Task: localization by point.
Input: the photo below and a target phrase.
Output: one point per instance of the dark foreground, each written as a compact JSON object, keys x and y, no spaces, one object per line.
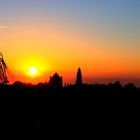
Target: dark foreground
{"x":19,"y":89}
{"x":28,"y":106}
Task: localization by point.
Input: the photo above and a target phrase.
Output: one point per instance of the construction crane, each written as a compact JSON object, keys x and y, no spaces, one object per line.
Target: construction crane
{"x":3,"y":71}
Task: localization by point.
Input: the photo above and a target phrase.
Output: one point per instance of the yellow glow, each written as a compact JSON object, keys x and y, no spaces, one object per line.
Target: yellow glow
{"x":50,"y":49}
{"x":33,"y":71}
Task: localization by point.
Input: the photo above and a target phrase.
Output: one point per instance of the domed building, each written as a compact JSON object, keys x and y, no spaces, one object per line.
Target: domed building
{"x":55,"y":81}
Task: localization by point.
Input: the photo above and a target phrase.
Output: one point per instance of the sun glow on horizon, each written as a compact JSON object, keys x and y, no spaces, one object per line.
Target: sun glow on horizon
{"x":33,"y":71}
{"x":51,"y":37}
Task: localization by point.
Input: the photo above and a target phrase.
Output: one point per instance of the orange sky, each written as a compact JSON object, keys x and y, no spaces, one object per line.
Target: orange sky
{"x":103,"y":48}
{"x":51,"y":49}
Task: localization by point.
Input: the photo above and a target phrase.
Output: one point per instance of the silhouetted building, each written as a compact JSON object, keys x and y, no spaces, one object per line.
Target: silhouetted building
{"x":79,"y":78}
{"x":55,"y":81}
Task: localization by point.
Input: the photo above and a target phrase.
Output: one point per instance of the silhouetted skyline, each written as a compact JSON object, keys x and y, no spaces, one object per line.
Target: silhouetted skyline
{"x":55,"y":80}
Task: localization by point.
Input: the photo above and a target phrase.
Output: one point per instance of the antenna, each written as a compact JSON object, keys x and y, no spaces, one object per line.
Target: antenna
{"x":3,"y":70}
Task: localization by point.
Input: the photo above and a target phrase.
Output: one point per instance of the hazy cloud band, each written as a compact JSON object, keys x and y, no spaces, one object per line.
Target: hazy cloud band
{"x":3,"y":27}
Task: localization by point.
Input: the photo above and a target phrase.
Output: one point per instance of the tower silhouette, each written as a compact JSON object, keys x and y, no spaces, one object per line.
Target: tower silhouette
{"x":79,"y":78}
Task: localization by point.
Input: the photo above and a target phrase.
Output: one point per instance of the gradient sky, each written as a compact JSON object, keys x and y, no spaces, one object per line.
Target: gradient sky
{"x":100,"y":36}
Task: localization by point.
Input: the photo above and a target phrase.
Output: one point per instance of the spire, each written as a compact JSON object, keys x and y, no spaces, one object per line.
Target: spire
{"x":79,"y":78}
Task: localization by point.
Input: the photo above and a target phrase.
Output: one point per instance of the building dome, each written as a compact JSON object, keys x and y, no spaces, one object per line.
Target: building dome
{"x":55,"y":81}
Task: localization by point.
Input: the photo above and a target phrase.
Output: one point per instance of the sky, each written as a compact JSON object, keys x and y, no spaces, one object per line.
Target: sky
{"x":102,"y":37}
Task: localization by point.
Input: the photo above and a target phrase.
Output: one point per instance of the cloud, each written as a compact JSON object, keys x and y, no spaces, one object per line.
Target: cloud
{"x":3,"y":27}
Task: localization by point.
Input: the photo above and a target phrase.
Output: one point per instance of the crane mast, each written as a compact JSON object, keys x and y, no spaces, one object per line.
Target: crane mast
{"x":3,"y":70}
